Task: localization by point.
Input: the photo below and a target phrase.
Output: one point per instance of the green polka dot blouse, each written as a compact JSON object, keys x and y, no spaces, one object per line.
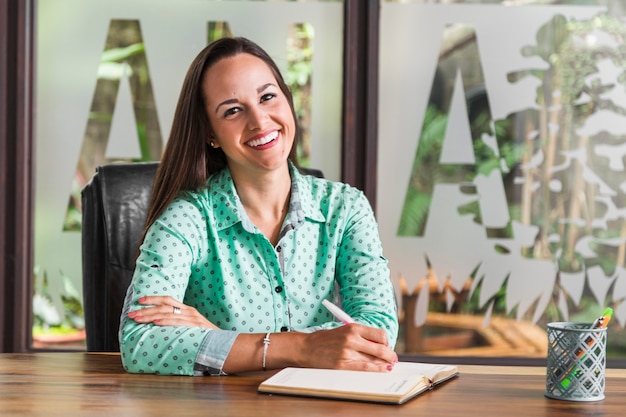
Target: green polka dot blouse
{"x":205,"y":251}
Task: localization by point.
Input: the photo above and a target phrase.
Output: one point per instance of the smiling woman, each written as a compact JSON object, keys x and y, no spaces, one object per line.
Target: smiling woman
{"x":241,"y":248}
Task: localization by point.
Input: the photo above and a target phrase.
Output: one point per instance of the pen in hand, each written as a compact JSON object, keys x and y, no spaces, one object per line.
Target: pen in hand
{"x":339,"y":314}
{"x":345,"y":318}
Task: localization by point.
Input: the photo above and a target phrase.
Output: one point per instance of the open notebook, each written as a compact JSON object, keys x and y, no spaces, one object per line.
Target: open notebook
{"x":406,"y":381}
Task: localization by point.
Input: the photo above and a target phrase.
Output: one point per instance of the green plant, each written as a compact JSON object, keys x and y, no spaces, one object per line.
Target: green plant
{"x":56,"y":308}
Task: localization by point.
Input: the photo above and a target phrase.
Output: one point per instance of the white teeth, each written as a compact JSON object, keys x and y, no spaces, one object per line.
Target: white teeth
{"x":264,"y":140}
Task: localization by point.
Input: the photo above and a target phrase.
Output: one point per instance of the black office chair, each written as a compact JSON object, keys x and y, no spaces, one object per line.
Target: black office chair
{"x":115,"y":204}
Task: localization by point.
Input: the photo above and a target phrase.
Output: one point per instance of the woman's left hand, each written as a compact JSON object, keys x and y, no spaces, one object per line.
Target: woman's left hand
{"x":166,"y":311}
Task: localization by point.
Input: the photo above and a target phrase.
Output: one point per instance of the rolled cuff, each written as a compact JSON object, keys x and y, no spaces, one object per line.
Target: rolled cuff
{"x":213,"y":352}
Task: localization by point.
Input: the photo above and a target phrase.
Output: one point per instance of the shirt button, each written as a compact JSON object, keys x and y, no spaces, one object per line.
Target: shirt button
{"x":278,"y":289}
{"x":278,"y":248}
{"x":284,"y":329}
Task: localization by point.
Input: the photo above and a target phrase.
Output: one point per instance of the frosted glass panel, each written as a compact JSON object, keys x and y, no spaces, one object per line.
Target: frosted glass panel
{"x":78,"y":64}
{"x":502,"y":128}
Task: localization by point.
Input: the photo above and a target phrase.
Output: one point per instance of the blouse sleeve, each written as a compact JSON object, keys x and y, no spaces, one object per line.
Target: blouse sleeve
{"x":362,"y":273}
{"x":171,"y":246}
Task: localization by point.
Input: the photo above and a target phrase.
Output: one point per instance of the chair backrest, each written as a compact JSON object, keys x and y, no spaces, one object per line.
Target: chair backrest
{"x":115,"y":204}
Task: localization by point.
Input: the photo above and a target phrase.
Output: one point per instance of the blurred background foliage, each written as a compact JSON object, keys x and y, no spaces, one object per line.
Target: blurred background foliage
{"x":547,"y":183}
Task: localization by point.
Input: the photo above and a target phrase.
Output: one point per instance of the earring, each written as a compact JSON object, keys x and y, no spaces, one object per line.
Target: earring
{"x":212,"y":144}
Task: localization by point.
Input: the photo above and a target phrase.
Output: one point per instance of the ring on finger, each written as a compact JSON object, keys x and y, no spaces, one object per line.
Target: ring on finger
{"x":176,"y":310}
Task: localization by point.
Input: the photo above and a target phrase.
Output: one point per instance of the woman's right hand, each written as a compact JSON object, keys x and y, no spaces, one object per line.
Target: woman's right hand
{"x":353,"y":346}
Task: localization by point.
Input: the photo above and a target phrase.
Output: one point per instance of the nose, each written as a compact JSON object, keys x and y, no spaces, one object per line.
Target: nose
{"x":256,"y":118}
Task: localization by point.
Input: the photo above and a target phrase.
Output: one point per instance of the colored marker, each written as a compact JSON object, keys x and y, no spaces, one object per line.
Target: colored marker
{"x":600,"y":323}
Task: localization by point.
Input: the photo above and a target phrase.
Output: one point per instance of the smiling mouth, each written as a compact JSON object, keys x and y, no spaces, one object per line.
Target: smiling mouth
{"x":264,"y":140}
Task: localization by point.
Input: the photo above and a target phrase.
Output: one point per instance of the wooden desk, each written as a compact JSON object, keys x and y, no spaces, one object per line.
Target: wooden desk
{"x":92,"y":384}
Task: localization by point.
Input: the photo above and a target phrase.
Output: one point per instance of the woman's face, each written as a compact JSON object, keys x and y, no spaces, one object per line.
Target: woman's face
{"x":250,"y":116}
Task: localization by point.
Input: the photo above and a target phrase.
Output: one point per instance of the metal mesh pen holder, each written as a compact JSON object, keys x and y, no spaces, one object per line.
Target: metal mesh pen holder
{"x":576,"y":362}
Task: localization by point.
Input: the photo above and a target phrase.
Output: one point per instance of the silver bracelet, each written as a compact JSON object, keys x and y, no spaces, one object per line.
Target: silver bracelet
{"x":266,"y":343}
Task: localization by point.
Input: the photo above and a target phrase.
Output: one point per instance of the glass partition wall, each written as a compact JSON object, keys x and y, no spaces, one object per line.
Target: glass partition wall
{"x":498,"y":165}
{"x":502,"y":128}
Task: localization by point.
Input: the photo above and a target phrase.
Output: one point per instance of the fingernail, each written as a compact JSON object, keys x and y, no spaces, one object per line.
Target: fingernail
{"x":142,"y":299}
{"x":132,"y":314}
{"x":390,"y":367}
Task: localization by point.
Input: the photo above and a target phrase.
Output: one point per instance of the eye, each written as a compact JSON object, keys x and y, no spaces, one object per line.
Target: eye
{"x":268,"y":96}
{"x":231,"y":112}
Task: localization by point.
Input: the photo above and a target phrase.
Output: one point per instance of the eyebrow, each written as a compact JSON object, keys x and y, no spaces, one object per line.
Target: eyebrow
{"x":234,"y":100}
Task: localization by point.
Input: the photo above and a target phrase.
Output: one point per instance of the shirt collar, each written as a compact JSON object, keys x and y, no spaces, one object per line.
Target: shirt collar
{"x":225,"y":205}
{"x":227,"y":209}
{"x":302,"y":203}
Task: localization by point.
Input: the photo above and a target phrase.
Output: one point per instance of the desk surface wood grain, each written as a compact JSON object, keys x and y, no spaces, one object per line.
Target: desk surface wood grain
{"x":92,"y":384}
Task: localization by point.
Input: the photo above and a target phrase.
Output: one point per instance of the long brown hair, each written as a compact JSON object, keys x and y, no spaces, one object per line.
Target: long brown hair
{"x":188,"y":160}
